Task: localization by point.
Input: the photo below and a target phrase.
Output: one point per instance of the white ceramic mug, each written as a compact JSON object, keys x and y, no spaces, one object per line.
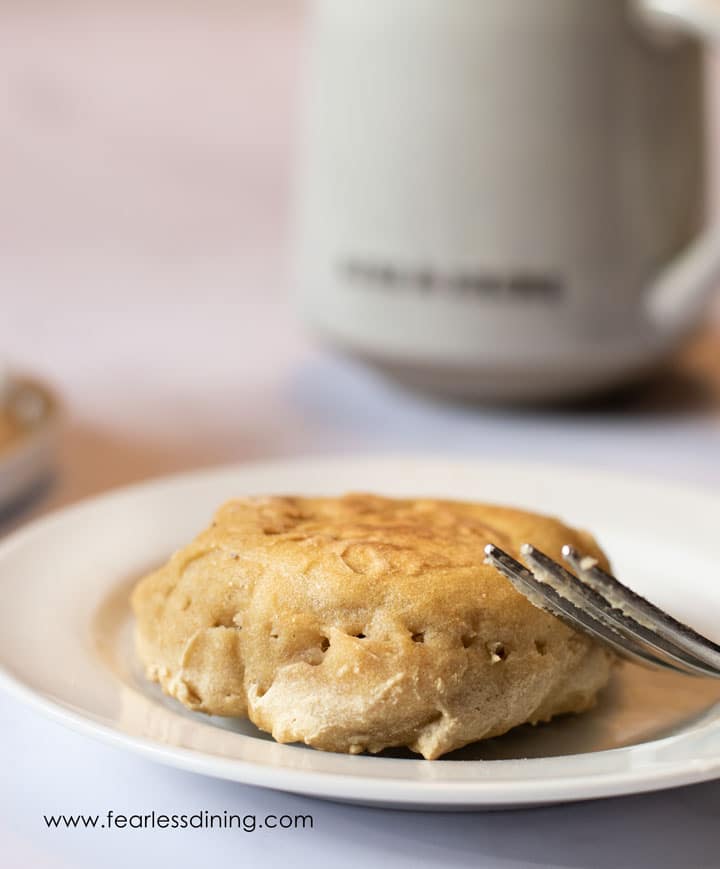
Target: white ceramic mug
{"x":506,"y":198}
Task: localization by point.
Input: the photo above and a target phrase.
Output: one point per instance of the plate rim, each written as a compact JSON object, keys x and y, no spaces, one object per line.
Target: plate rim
{"x":399,"y":794}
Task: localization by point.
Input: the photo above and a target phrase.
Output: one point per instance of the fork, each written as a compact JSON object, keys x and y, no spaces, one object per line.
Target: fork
{"x":600,"y":605}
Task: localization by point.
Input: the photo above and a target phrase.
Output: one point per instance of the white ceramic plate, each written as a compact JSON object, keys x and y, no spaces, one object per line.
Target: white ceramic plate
{"x":65,"y":637}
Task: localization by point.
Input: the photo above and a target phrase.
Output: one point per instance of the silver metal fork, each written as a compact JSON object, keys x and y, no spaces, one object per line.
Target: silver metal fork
{"x":597,"y":603}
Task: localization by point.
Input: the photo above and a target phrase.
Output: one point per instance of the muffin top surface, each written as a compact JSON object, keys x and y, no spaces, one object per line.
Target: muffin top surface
{"x":351,"y":561}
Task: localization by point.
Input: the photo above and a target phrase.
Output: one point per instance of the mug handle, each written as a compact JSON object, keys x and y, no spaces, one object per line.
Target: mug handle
{"x":700,"y":17}
{"x":678,"y":297}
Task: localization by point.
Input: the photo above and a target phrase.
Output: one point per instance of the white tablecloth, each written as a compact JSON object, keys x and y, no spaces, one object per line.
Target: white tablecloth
{"x":144,"y":225}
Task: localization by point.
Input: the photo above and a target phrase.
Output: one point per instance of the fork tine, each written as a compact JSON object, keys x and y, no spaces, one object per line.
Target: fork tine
{"x":642,"y":611}
{"x":587,"y":598}
{"x":547,"y":598}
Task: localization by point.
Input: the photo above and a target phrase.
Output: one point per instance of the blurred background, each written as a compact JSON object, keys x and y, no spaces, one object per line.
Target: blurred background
{"x":148,"y":204}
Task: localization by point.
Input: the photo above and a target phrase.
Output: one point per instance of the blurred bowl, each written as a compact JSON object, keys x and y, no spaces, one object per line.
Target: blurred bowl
{"x":29,"y":427}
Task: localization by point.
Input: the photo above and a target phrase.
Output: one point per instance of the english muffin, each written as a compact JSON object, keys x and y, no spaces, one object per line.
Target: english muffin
{"x":359,"y":623}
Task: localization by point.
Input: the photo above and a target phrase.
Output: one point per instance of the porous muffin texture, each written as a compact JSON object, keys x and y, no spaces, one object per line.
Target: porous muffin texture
{"x":358,"y":623}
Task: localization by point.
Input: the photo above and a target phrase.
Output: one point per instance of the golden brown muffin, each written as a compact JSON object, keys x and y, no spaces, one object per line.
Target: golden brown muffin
{"x":359,"y":623}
